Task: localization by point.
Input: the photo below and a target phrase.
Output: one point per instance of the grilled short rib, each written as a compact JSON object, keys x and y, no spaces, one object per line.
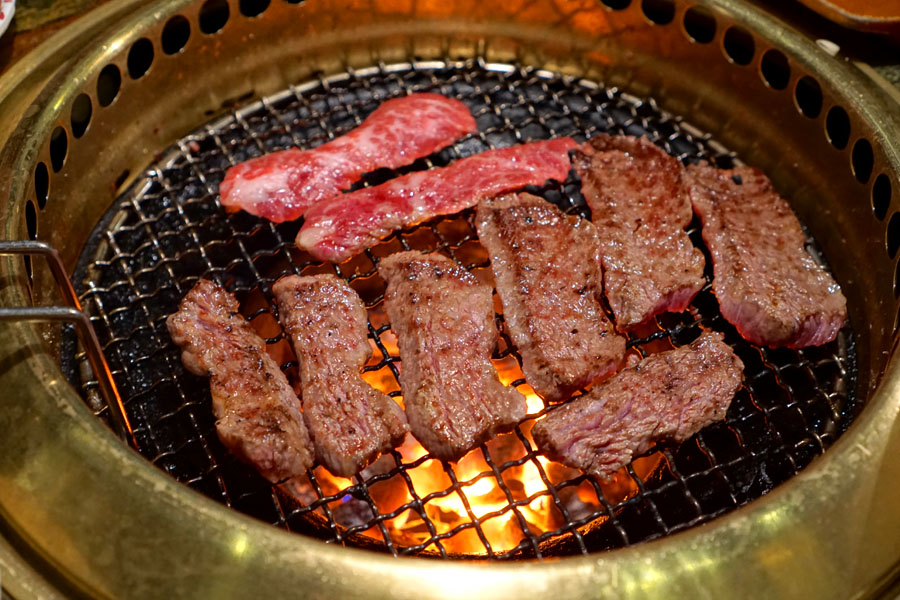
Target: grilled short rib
{"x":640,"y":205}
{"x":666,"y":396}
{"x":444,"y":320}
{"x":350,"y":422}
{"x":548,"y":275}
{"x":767,"y":284}
{"x":258,"y":415}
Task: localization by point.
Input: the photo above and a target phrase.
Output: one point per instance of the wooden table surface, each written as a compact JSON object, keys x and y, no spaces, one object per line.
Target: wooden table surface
{"x":34,"y":22}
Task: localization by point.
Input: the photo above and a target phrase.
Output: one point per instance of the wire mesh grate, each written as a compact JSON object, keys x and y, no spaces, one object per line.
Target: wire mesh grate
{"x":503,"y":500}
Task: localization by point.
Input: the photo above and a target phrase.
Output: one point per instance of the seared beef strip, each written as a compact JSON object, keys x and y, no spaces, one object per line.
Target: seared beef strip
{"x":666,"y":396}
{"x":258,"y":415}
{"x":640,"y":205}
{"x":351,"y":422}
{"x":444,"y":320}
{"x":547,"y":271}
{"x":767,"y":284}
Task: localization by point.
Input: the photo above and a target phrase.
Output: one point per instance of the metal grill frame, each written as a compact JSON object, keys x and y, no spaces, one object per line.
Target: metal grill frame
{"x":254,"y":134}
{"x":72,"y":475}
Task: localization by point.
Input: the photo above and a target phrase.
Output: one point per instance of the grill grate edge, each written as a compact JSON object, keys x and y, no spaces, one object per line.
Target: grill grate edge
{"x":168,"y":229}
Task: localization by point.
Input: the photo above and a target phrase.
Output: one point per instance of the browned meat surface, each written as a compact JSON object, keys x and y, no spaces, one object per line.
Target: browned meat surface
{"x":767,"y":284}
{"x":444,"y":321}
{"x":258,"y":415}
{"x":351,"y":422}
{"x":547,"y":270}
{"x":640,"y":205}
{"x":666,"y":396}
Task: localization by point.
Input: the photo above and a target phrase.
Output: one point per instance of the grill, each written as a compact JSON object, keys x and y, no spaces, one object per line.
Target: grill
{"x":504,"y":500}
{"x":112,"y":145}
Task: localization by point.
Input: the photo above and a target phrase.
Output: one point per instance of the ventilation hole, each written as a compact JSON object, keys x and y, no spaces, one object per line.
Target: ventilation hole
{"x":862,"y":160}
{"x":108,"y":83}
{"x":775,"y":69}
{"x":893,"y":235}
{"x":808,"y":95}
{"x":699,"y":25}
{"x":253,"y":8}
{"x":31,"y":220}
{"x":28,"y":271}
{"x":175,"y":34}
{"x":660,"y":12}
{"x":81,"y":114}
{"x":42,"y":184}
{"x":837,"y":126}
{"x":881,"y":195}
{"x":213,"y":15}
{"x":739,"y":46}
{"x":59,"y":146}
{"x":617,"y":4}
{"x":140,"y":57}
{"x":121,"y":179}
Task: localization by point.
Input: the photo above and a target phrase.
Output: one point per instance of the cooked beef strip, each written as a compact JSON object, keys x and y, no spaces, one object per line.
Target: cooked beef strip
{"x":258,"y":415}
{"x":767,"y":284}
{"x":444,"y":320}
{"x":640,"y":205}
{"x":548,"y":275}
{"x":666,"y":396}
{"x":351,"y":422}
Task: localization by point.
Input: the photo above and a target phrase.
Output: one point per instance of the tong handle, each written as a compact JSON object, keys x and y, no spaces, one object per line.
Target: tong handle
{"x":72,"y":313}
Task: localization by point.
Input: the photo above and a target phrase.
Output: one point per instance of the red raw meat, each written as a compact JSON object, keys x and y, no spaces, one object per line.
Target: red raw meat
{"x":282,"y":185}
{"x":338,"y":229}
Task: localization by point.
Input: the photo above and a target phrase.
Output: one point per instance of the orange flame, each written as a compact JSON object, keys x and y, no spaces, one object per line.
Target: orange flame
{"x":463,"y":502}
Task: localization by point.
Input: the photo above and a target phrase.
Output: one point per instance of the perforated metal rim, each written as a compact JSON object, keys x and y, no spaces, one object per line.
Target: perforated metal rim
{"x":659,"y":12}
{"x":308,"y":115}
{"x":711,"y":558}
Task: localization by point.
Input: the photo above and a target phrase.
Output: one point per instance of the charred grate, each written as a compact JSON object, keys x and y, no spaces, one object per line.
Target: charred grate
{"x":168,"y":229}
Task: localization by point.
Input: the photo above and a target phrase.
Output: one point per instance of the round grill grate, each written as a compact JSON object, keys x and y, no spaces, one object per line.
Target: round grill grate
{"x":503,"y":500}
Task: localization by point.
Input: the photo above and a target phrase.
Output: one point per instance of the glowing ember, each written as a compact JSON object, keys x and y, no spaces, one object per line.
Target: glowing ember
{"x":495,"y":499}
{"x":486,"y":500}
